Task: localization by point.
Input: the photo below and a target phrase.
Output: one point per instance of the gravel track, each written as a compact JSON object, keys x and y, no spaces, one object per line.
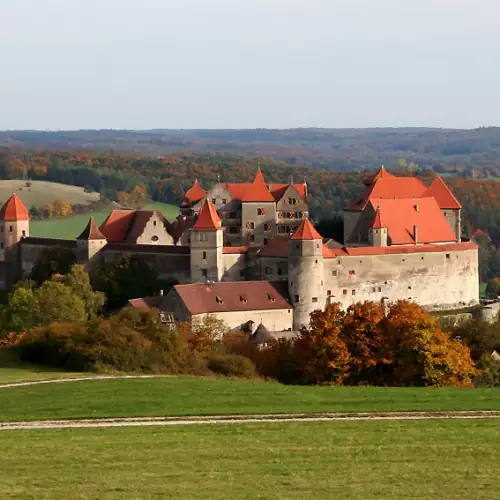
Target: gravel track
{"x":244,"y":419}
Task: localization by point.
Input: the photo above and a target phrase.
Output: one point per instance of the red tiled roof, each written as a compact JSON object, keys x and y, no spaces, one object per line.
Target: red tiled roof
{"x":227,"y":296}
{"x":431,"y":248}
{"x":258,"y":190}
{"x":14,"y":210}
{"x":402,"y":215}
{"x":444,"y":197}
{"x":277,"y":247}
{"x":235,"y":250}
{"x":146,"y":302}
{"x":193,"y":194}
{"x":91,"y":232}
{"x":389,"y":188}
{"x":180,"y":226}
{"x":377,"y":221}
{"x":208,"y":218}
{"x":278,"y":190}
{"x":306,"y":231}
{"x":117,"y":224}
{"x":382,"y":173}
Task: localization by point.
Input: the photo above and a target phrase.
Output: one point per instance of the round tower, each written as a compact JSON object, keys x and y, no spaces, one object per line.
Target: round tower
{"x":14,"y":226}
{"x":305,"y":273}
{"x":207,"y":242}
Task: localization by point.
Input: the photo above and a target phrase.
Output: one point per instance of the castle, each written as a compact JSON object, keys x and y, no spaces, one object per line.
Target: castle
{"x":248,"y":253}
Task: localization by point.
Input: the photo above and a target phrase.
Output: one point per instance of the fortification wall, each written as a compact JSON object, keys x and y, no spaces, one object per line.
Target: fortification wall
{"x":273,"y":268}
{"x":234,"y":267}
{"x":437,"y":280}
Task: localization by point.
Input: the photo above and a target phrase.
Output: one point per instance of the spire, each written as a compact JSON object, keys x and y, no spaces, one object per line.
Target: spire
{"x":258,"y":190}
{"x":382,"y":173}
{"x":91,"y":232}
{"x":208,"y":218}
{"x":306,"y":231}
{"x":194,"y":193}
{"x":14,"y":210}
{"x":377,"y":221}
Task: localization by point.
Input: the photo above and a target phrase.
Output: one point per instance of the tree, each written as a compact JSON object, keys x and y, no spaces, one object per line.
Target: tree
{"x":321,"y":352}
{"x":62,"y":208}
{"x":53,"y":260}
{"x":421,"y":353}
{"x":363,"y":334}
{"x":127,"y":279}
{"x":21,"y":310}
{"x":78,"y":281}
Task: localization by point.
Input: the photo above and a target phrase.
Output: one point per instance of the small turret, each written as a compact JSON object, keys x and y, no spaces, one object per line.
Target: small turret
{"x":89,"y":244}
{"x":377,"y":233}
{"x":305,"y":273}
{"x":14,"y":226}
{"x":207,"y":245}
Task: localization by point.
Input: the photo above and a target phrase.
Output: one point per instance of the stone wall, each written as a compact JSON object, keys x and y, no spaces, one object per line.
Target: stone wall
{"x":437,"y":280}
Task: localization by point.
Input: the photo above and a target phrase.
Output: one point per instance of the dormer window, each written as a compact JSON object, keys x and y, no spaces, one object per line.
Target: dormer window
{"x":243,"y":299}
{"x":154,"y":238}
{"x":270,"y":297}
{"x":219,"y":300}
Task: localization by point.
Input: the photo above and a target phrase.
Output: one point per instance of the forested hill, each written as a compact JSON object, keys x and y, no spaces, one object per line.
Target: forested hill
{"x":333,"y":149}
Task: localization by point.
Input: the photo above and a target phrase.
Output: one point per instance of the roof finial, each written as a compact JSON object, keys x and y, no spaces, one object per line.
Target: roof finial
{"x":291,"y":179}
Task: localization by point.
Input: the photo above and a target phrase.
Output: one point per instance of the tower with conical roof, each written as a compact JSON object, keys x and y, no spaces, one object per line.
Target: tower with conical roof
{"x":377,"y":234}
{"x":207,"y":243}
{"x":14,"y":226}
{"x":89,"y":244}
{"x":305,"y":273}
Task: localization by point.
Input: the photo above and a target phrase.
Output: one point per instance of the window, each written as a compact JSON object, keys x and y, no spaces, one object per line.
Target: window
{"x":374,"y":289}
{"x":409,"y":288}
{"x":448,"y":256}
{"x":214,"y":201}
{"x":250,"y":225}
{"x":10,"y":229}
{"x":328,"y":292}
{"x":297,"y":246}
{"x":281,"y":229}
{"x":344,"y":292}
{"x":280,"y":215}
{"x":352,"y":272}
{"x":291,"y":201}
{"x":268,"y":270}
{"x":1,"y":246}
{"x":334,"y":273}
{"x":233,"y":230}
{"x":267,"y":227}
{"x":304,"y":215}
{"x":24,"y":233}
{"x":289,"y":215}
{"x":266,"y":241}
{"x":154,"y":238}
{"x":297,"y":298}
{"x":204,"y":256}
{"x":251,"y":238}
{"x":261,"y":211}
{"x":317,"y":245}
{"x":204,"y":273}
{"x":315,"y":261}
{"x":354,"y":292}
{"x":379,"y":289}
{"x":203,"y":237}
{"x":224,"y":201}
{"x":280,"y":271}
{"x":315,"y":299}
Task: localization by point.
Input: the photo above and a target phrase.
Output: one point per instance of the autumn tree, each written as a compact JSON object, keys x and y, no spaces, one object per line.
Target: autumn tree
{"x":53,"y":260}
{"x":321,"y":352}
{"x":61,"y":208}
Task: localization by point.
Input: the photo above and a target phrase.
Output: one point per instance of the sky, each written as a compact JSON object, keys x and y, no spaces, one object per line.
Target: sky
{"x":129,"y":64}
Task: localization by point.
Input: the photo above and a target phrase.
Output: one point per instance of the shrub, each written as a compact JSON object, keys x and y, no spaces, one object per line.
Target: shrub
{"x":232,"y":365}
{"x":490,"y":372}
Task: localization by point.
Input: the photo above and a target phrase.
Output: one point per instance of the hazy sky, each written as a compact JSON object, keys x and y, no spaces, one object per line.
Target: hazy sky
{"x":70,"y":64}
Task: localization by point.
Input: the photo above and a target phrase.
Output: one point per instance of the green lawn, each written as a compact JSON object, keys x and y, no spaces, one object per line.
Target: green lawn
{"x":438,"y":460}
{"x":215,"y":396}
{"x":13,"y":370}
{"x":43,"y":192}
{"x":71,"y":227}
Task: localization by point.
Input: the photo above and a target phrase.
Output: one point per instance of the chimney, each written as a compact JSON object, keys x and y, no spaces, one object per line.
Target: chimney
{"x":415,"y":233}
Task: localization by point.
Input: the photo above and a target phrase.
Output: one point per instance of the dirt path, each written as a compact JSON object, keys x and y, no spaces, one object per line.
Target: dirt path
{"x":244,"y":419}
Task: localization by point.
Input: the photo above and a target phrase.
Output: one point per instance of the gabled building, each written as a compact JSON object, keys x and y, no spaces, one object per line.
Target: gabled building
{"x":251,"y":214}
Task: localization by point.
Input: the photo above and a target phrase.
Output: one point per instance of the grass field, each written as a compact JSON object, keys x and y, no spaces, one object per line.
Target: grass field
{"x":217,"y":396}
{"x":42,"y":192}
{"x":71,"y":227}
{"x":442,"y":460}
{"x":12,"y":370}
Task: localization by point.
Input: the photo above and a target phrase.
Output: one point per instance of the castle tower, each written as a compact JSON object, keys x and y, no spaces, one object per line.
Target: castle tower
{"x":305,"y":273}
{"x":14,"y":225}
{"x":258,"y":213}
{"x":377,"y":234}
{"x":207,"y":242}
{"x":89,"y":244}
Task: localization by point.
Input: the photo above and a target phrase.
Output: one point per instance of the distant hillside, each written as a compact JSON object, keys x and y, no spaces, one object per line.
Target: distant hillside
{"x":332,"y":149}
